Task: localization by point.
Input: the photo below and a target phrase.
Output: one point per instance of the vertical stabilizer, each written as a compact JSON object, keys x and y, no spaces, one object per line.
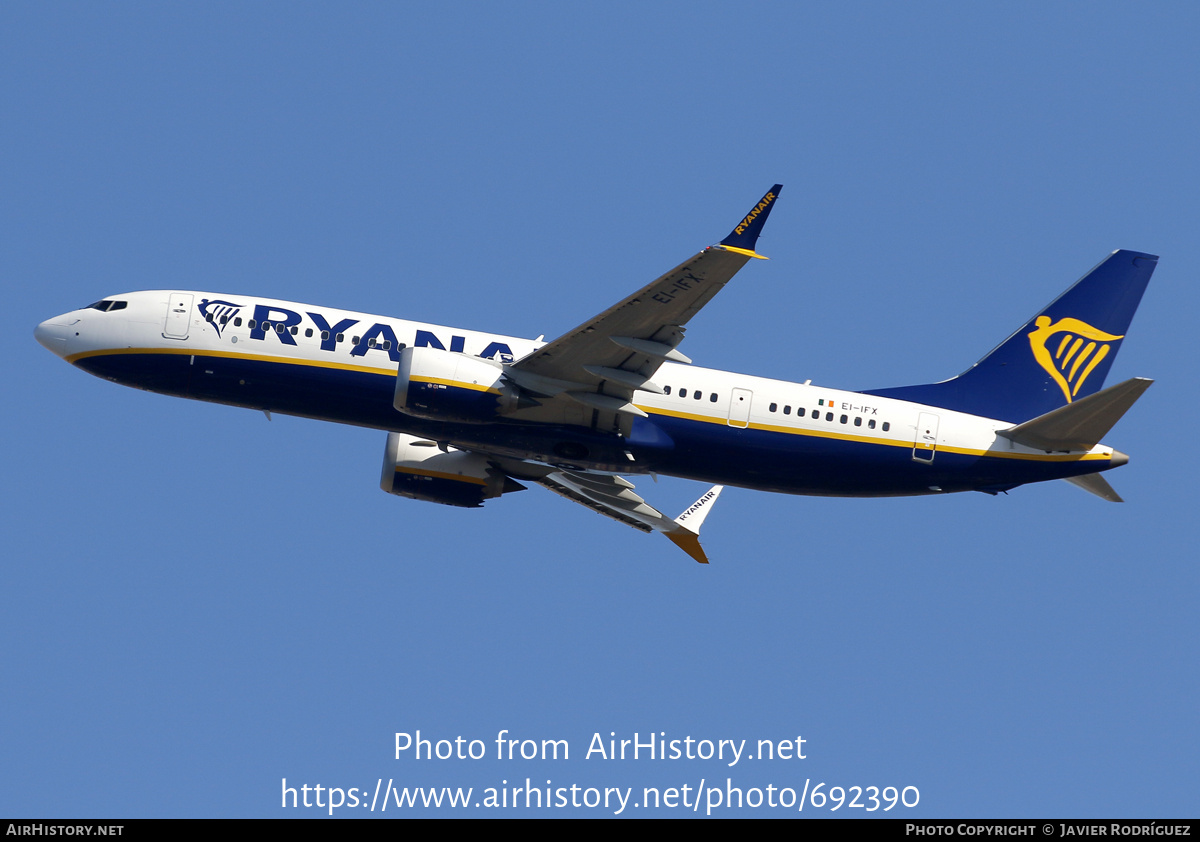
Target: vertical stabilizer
{"x":1059,"y":356}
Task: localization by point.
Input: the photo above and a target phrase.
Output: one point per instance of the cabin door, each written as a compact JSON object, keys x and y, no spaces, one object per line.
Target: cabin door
{"x":739,"y":407}
{"x":179,"y":312}
{"x":925,"y":445}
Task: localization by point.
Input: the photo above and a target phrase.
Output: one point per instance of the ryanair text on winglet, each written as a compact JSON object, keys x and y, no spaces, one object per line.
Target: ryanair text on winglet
{"x":698,"y":505}
{"x":759,"y":208}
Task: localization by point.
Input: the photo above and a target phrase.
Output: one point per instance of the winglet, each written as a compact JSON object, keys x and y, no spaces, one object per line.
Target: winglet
{"x":742,"y":238}
{"x":686,"y":533}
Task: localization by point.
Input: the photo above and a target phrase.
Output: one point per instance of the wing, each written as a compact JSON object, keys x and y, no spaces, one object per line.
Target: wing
{"x":600,"y":364}
{"x":614,"y":497}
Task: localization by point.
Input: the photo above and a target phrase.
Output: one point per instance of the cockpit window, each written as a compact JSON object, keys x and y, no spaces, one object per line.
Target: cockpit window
{"x":107,"y":305}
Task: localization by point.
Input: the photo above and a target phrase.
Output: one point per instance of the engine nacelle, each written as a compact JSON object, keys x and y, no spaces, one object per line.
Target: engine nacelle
{"x":419,"y":469}
{"x":449,"y":386}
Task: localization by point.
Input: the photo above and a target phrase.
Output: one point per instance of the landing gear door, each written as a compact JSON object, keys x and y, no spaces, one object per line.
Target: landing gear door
{"x":179,"y":313}
{"x":739,"y":407}
{"x":925,"y":445}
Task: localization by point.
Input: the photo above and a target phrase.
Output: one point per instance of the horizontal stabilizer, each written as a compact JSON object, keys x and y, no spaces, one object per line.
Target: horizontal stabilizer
{"x":1098,"y":485}
{"x":1082,"y":424}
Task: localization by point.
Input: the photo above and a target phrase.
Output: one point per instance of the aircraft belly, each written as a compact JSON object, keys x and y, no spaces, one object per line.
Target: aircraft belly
{"x":795,"y":463}
{"x":165,"y":373}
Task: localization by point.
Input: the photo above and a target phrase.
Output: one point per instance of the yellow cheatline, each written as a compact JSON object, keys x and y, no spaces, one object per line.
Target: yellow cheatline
{"x":687,"y":416}
{"x":1045,"y":457}
{"x":441,"y":475}
{"x":458,"y":384}
{"x":233,"y":355}
{"x":889,"y":442}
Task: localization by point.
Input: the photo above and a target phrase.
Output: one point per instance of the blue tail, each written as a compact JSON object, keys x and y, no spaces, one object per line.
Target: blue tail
{"x":1060,"y":355}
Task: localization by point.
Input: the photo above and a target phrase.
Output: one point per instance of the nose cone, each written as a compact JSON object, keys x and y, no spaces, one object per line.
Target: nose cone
{"x":52,"y":335}
{"x":1119,"y":459}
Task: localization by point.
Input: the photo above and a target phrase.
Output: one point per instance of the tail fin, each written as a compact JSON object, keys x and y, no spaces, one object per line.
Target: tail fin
{"x":1060,"y":355}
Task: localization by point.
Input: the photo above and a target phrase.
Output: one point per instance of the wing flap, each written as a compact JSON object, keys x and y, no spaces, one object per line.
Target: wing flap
{"x":552,"y":482}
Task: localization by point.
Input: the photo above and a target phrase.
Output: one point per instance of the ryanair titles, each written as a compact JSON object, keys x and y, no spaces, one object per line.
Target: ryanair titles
{"x":381,"y":337}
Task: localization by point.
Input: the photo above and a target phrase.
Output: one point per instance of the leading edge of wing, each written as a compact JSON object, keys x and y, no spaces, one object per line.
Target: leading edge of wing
{"x":656,"y":313}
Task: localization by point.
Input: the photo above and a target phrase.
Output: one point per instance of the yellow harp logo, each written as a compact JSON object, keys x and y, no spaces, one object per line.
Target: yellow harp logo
{"x":1073,"y":357}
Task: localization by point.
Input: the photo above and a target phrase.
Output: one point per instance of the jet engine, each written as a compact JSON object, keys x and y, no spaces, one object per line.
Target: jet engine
{"x":449,"y":386}
{"x":419,"y":469}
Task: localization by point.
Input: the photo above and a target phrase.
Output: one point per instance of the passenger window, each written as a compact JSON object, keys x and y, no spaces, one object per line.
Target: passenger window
{"x":857,"y":421}
{"x":697,"y":394}
{"x":887,"y":425}
{"x":341,"y":337}
{"x":224,"y":320}
{"x":387,"y":344}
{"x":683,"y":393}
{"x":799,"y":412}
{"x":237,"y":322}
{"x":356,"y":340}
{"x":843,"y":419}
{"x":713,"y":397}
{"x":871,"y":423}
{"x":666,"y":389}
{"x":308,"y":331}
{"x":324,"y":335}
{"x":279,"y":328}
{"x":773,"y":407}
{"x":208,"y":317}
{"x":252,"y":324}
{"x":370,"y":342}
{"x":828,"y":416}
{"x":787,"y":410}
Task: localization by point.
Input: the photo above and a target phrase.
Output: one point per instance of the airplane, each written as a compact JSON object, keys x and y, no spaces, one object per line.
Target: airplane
{"x":471,"y":416}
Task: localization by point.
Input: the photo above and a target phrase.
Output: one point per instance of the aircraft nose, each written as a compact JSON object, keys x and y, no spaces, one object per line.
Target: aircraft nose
{"x":52,"y":335}
{"x":1119,"y":459}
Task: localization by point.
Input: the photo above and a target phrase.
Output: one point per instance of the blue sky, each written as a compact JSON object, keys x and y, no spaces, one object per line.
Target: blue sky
{"x":201,"y":603}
